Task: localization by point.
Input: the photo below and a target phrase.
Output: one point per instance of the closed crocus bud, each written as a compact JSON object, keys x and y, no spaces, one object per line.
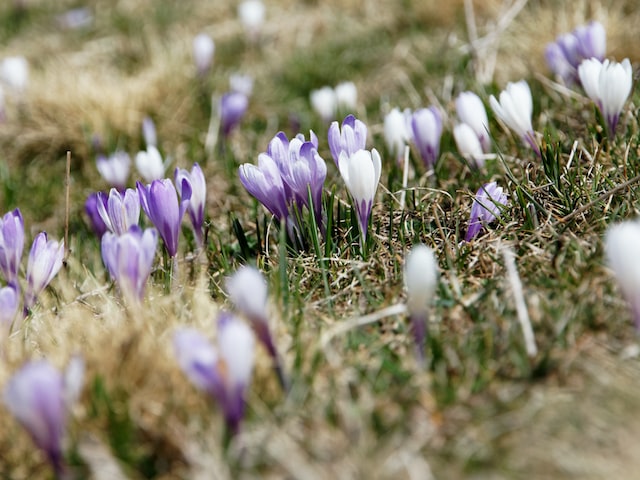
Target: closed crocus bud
{"x":559,"y":65}
{"x":468,"y":145}
{"x":324,"y":103}
{"x":265,"y":183}
{"x":396,"y":133}
{"x":115,"y":168}
{"x":515,"y":109}
{"x":346,"y":96}
{"x":9,"y":301}
{"x":349,"y":138}
{"x":241,"y":84}
{"x":120,"y":211}
{"x":45,"y":260}
{"x":11,"y":245}
{"x":471,"y":111}
{"x":487,"y":206}
{"x":129,"y":259}
{"x":91,"y":209}
{"x":150,"y":164}
{"x":159,"y":201}
{"x":149,"y":132}
{"x":426,"y":125}
{"x":361,"y":175}
{"x":608,"y":84}
{"x":232,"y":107}
{"x":251,"y":14}
{"x":198,"y":187}
{"x":621,"y":247}
{"x":39,"y":397}
{"x":420,"y":280}
{"x":14,"y":72}
{"x":203,"y":50}
{"x":592,"y":40}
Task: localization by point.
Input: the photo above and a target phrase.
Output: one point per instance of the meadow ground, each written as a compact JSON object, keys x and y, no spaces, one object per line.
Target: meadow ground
{"x":359,"y":406}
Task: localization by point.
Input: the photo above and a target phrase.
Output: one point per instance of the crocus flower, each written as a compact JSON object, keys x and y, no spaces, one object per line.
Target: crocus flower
{"x":486,"y":208}
{"x":11,"y":245}
{"x":325,"y":103}
{"x":75,"y":19}
{"x":241,"y":84}
{"x":265,"y":184}
{"x":198,"y":187}
{"x":420,"y":280}
{"x":39,"y":397}
{"x":159,"y":201}
{"x":45,"y":260}
{"x":203,"y":50}
{"x":471,"y":111}
{"x":348,"y":139}
{"x":515,"y":109}
{"x":115,"y":168}
{"x":251,"y":14}
{"x":9,"y":300}
{"x":346,"y":96}
{"x":119,"y":211}
{"x":91,"y":209}
{"x":468,"y":144}
{"x":150,"y":164}
{"x":129,"y":259}
{"x":608,"y":84}
{"x":621,"y":247}
{"x":14,"y":72}
{"x":223,"y":373}
{"x":149,"y":132}
{"x":592,"y":40}
{"x":232,"y":107}
{"x":361,"y":174}
{"x":397,"y":132}
{"x":426,"y":125}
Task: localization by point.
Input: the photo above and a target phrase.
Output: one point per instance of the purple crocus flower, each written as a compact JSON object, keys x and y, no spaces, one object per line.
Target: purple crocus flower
{"x":351,"y":138}
{"x":129,"y":258}
{"x":91,"y":209}
{"x":232,"y":107}
{"x":11,"y":245}
{"x":224,"y":373}
{"x":427,"y":130}
{"x":119,"y":211}
{"x":115,"y":168}
{"x":160,"y":202}
{"x":45,"y":260}
{"x":486,"y":208}
{"x":198,"y":187}
{"x":9,"y":299}
{"x":40,"y":397}
{"x":265,"y":184}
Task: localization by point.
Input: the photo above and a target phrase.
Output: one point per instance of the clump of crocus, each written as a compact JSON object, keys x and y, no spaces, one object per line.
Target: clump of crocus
{"x":361,"y":174}
{"x":426,"y":125}
{"x":471,"y":112}
{"x":231,"y":109}
{"x":119,"y":211}
{"x":420,"y":280}
{"x":129,"y":259}
{"x":40,"y":397}
{"x":515,"y":109}
{"x":324,"y":102}
{"x":45,"y":260}
{"x":198,"y":188}
{"x":608,"y":84}
{"x":348,"y":138}
{"x":621,"y":248}
{"x":115,"y":168}
{"x":149,"y":164}
{"x":11,"y":245}
{"x":487,"y":206}
{"x":224,"y":372}
{"x":91,"y":209}
{"x":570,"y":49}
{"x":247,"y":290}
{"x":397,"y":132}
{"x":203,"y":50}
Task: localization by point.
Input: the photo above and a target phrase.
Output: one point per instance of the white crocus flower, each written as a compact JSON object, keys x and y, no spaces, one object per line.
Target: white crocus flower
{"x":150,"y":165}
{"x":515,"y":109}
{"x":203,"y":50}
{"x":325,"y":103}
{"x":471,"y":111}
{"x":468,"y":144}
{"x":397,"y":132}
{"x":346,"y":96}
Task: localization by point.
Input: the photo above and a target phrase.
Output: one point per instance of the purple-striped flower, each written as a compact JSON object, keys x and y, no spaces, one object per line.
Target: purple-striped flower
{"x":348,"y":139}
{"x":91,"y":209}
{"x":129,"y":259}
{"x":471,"y":111}
{"x":9,"y":300}
{"x":198,"y":187}
{"x":232,"y":107}
{"x":11,"y":245}
{"x":515,"y":109}
{"x":265,"y":183}
{"x":361,"y":174}
{"x":160,"y":203}
{"x":115,"y":168}
{"x":487,"y":206}
{"x":45,"y":260}
{"x":426,"y":124}
{"x":119,"y":211}
{"x":224,"y":373}
{"x":40,"y":398}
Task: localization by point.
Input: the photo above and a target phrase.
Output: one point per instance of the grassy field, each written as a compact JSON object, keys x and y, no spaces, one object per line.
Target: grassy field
{"x":360,"y":406}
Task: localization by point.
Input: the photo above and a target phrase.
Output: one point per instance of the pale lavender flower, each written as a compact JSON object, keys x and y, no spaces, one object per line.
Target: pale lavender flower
{"x":159,"y":201}
{"x":349,"y":138}
{"x":11,"y":245}
{"x":129,"y":259}
{"x":487,"y":206}
{"x":203,"y":50}
{"x":232,"y":107}
{"x":119,"y":211}
{"x":426,"y":125}
{"x":265,"y":183}
{"x":40,"y":398}
{"x":198,"y":187}
{"x":361,"y":174}
{"x":149,"y":164}
{"x":471,"y":111}
{"x":91,"y":209}
{"x":45,"y":260}
{"x":149,"y":132}
{"x":115,"y":168}
{"x":609,"y":85}
{"x":515,"y":109}
{"x":9,"y":300}
{"x":324,"y":102}
{"x":592,"y":40}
